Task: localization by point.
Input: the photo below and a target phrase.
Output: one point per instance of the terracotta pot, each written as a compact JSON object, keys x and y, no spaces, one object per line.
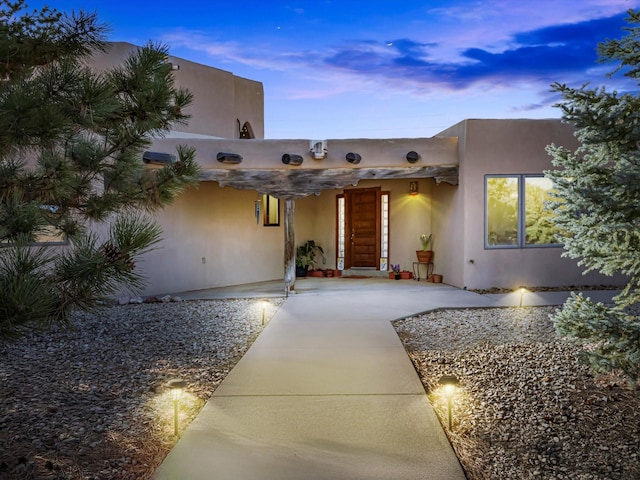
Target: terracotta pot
{"x":328,"y":273}
{"x":337,"y":273}
{"x":435,"y":278}
{"x":425,"y":256}
{"x":391,"y":275}
{"x":316,"y":273}
{"x":406,"y":275}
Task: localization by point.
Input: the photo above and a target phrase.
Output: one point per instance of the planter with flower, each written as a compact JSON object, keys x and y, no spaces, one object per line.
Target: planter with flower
{"x":395,"y":271}
{"x":425,"y":255}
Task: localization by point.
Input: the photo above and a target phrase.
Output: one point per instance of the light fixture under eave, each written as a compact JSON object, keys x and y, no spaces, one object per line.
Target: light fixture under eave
{"x":158,"y":158}
{"x":413,"y":188}
{"x":353,"y":158}
{"x":231,"y":158}
{"x":291,"y":159}
{"x":413,"y":157}
{"x":318,"y":149}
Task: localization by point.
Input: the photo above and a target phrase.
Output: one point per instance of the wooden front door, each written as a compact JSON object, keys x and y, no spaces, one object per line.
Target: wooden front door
{"x":362,"y":227}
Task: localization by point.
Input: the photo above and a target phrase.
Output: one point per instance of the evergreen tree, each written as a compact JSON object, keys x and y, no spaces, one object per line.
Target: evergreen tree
{"x":597,"y":207}
{"x":71,"y":144}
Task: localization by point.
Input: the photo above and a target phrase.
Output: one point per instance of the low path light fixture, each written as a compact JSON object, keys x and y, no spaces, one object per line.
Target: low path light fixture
{"x":176,"y":387}
{"x":522,"y":291}
{"x":449,"y":385}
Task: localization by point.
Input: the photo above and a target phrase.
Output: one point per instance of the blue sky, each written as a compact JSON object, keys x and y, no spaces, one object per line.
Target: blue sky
{"x":382,"y":69}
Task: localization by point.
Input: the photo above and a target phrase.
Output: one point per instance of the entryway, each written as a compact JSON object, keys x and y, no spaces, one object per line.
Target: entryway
{"x":363,"y":228}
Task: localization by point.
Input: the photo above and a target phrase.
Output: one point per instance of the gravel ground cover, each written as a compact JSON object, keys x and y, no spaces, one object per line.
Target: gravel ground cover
{"x":90,"y":402}
{"x":526,"y":407}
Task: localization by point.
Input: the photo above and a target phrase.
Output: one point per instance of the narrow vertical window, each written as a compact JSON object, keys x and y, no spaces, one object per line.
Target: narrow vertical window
{"x":502,"y":213}
{"x":384,"y":231}
{"x":341,"y":229}
{"x":539,"y":226}
{"x":271,"y":211}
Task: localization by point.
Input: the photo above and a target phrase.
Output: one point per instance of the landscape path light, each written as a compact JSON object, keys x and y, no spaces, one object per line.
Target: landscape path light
{"x":449,"y":385}
{"x":522,"y":291}
{"x":176,"y":387}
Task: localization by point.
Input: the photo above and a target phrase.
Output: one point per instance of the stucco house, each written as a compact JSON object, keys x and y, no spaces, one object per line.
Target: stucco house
{"x":475,"y":187}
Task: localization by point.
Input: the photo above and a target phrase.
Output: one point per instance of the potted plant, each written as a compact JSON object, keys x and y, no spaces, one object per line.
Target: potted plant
{"x":306,"y":257}
{"x":406,"y":275}
{"x":425,"y":255}
{"x":396,"y":270}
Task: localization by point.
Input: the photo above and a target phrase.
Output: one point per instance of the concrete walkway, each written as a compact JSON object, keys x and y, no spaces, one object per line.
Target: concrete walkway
{"x":327,"y":391}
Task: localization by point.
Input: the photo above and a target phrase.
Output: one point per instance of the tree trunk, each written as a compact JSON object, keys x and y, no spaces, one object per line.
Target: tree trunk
{"x":289,"y":246}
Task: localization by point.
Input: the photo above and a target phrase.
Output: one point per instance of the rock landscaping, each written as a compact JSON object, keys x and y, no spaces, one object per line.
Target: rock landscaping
{"x":90,"y":401}
{"x":526,"y":407}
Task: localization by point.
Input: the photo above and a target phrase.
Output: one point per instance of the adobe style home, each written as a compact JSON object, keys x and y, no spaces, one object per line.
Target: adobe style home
{"x":477,"y":187}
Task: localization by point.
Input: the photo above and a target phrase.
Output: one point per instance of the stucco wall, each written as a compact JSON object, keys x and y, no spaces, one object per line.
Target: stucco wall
{"x":220,"y":98}
{"x":509,"y":147}
{"x":220,"y":226}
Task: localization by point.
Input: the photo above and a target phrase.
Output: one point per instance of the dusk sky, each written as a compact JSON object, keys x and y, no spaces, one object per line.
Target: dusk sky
{"x":382,"y":69}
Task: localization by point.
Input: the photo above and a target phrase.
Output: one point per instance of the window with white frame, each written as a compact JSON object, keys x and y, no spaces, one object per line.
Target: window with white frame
{"x":515,"y":213}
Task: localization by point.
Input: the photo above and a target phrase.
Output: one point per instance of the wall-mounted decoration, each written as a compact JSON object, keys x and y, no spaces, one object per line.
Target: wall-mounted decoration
{"x":257,"y":210}
{"x":384,"y":264}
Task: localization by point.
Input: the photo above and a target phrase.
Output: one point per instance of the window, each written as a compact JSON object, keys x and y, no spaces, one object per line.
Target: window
{"x":515,"y":216}
{"x":271,"y":210}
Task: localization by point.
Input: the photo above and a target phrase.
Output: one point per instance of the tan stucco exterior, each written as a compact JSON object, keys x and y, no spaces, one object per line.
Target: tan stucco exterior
{"x":500,"y":147}
{"x":222,"y":101}
{"x":212,"y":237}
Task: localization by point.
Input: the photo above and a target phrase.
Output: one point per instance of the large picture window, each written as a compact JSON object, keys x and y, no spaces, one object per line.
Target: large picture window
{"x":515,"y":214}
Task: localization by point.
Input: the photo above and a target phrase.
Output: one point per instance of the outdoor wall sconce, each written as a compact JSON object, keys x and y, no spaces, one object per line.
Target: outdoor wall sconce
{"x":413,"y":188}
{"x":176,"y":387}
{"x":232,"y":158}
{"x":291,"y":159}
{"x":353,"y":158}
{"x":449,"y":385}
{"x":318,"y":149}
{"x":413,"y":157}
{"x":158,"y":158}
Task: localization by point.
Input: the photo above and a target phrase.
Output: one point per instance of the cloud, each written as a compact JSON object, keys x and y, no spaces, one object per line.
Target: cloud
{"x":557,"y":53}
